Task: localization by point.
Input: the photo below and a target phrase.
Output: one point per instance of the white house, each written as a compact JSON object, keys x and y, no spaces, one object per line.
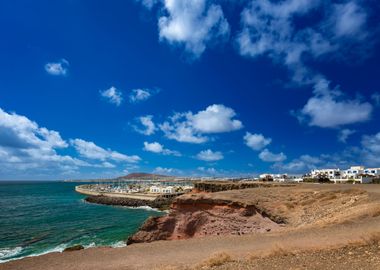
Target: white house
{"x":275,"y":177}
{"x":330,"y":173}
{"x":168,"y":190}
{"x":354,"y":171}
{"x":357,"y":179}
{"x":372,"y":171}
{"x":155,"y":189}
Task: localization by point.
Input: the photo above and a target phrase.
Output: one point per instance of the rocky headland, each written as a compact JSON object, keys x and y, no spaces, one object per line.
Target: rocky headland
{"x":254,"y":210}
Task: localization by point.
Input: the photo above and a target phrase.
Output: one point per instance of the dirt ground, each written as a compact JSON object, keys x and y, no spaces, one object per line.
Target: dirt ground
{"x":324,"y":224}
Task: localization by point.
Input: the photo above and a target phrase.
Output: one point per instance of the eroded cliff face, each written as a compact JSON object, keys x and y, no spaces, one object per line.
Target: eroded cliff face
{"x":256,"y":210}
{"x":196,"y":216}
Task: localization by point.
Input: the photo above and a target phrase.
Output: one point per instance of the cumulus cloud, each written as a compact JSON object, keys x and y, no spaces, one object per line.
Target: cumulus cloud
{"x":166,"y":171}
{"x":158,"y":148}
{"x":57,"y":68}
{"x":25,"y":146}
{"x":211,"y":171}
{"x":149,"y":4}
{"x":303,"y":164}
{"x":268,"y":156}
{"x":349,"y":19}
{"x":328,"y":108}
{"x":192,"y":24}
{"x":138,"y":95}
{"x":376,"y":98}
{"x":215,"y":119}
{"x":344,"y":134}
{"x":30,"y":151}
{"x":256,"y":141}
{"x":371,"y":143}
{"x":269,"y":28}
{"x":148,"y":126}
{"x":367,"y":154}
{"x":209,"y":155}
{"x":112,"y":95}
{"x":91,"y":151}
{"x":190,"y":127}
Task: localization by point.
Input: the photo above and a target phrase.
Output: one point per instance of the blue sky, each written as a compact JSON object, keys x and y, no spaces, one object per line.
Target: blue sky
{"x":93,"y":89}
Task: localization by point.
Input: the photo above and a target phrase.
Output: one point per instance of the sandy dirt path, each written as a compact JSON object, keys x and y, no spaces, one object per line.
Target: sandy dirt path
{"x":190,"y":252}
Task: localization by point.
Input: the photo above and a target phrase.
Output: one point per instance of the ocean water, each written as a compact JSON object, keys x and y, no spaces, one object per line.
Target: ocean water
{"x":42,"y":217}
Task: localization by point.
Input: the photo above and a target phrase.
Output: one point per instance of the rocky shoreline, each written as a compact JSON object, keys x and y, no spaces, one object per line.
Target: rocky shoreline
{"x":159,"y":203}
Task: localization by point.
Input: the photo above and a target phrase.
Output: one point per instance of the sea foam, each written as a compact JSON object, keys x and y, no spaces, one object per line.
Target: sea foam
{"x":9,"y":252}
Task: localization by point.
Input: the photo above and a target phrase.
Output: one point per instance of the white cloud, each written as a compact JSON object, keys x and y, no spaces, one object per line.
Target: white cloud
{"x":91,"y":151}
{"x":216,"y":118}
{"x":256,"y":141}
{"x":149,"y":126}
{"x":211,"y":170}
{"x":370,"y":153}
{"x":166,"y":171}
{"x":57,"y":68}
{"x":24,"y":146}
{"x":328,"y":109}
{"x":376,"y":98}
{"x":209,"y":155}
{"x":303,"y":164}
{"x":158,"y":148}
{"x":113,"y":95}
{"x":189,"y":127}
{"x":344,"y":134}
{"x":372,"y":143}
{"x":270,"y":28}
{"x":28,"y":151}
{"x":268,"y":156}
{"x":180,"y":129}
{"x":367,"y":154}
{"x":138,"y":95}
{"x":149,"y":4}
{"x":193,"y":24}
{"x":349,"y":19}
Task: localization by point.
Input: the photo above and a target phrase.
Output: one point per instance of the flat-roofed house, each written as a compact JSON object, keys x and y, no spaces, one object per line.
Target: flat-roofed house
{"x":372,"y":171}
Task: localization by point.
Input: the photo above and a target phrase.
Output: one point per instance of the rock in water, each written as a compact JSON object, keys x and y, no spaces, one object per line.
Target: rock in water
{"x":73,"y":248}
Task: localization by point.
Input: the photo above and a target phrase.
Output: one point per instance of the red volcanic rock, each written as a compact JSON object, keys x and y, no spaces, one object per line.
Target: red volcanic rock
{"x":197,"y":216}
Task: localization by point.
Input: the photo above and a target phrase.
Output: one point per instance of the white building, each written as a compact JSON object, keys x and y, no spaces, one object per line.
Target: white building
{"x":358,"y":179}
{"x":354,"y":171}
{"x":330,"y":173}
{"x":155,"y":189}
{"x":372,"y":171}
{"x":275,"y":177}
{"x":168,"y":190}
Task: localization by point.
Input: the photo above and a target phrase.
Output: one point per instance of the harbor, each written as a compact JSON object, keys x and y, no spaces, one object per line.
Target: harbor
{"x":153,"y":194}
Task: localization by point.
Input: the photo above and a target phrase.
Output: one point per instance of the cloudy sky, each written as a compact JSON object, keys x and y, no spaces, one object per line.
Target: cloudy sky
{"x":98,"y":88}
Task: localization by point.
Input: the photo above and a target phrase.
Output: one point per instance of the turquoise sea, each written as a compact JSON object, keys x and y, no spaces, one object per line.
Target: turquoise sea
{"x":42,"y":217}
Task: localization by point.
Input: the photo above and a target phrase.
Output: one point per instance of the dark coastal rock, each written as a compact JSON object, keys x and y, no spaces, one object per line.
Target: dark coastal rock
{"x":217,"y":186}
{"x":159,"y":203}
{"x":73,"y":248}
